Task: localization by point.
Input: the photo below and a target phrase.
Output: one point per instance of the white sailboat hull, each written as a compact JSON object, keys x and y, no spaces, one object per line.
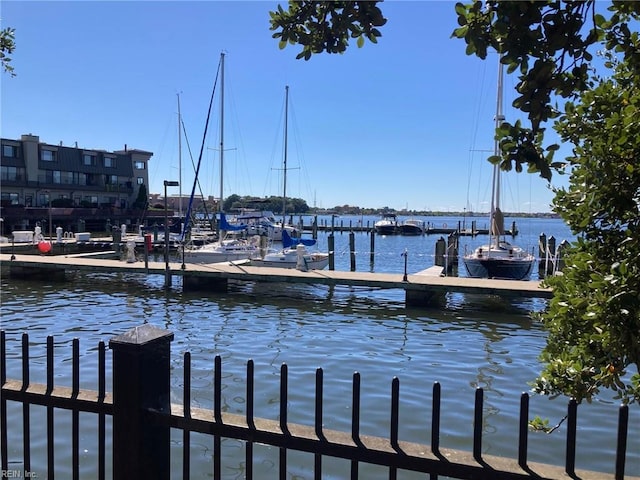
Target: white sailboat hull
{"x":500,"y":261}
{"x":293,"y":258}
{"x":225,"y":251}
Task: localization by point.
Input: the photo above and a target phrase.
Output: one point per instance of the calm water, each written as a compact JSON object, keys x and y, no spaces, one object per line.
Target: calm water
{"x":471,"y":343}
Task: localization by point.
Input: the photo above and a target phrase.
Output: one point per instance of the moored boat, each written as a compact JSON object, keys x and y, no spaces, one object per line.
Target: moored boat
{"x":412,"y":226}
{"x":498,"y":258}
{"x":294,"y":254}
{"x":387,"y":225}
{"x":263,"y":222}
{"x":232,"y":244}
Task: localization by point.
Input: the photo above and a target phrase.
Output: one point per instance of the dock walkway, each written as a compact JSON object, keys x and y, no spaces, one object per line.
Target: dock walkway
{"x":420,"y":289}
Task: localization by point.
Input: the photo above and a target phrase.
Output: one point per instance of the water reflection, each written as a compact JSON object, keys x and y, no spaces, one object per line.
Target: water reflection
{"x":339,"y":329}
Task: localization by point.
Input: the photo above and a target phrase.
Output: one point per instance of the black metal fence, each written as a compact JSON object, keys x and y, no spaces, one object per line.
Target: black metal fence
{"x":142,"y":417}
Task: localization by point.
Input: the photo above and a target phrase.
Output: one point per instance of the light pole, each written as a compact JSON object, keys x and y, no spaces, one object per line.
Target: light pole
{"x":167,"y":272}
{"x":50,"y":226}
{"x":50,"y":222}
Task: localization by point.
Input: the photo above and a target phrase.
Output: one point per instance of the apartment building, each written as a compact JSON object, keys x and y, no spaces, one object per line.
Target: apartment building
{"x":33,"y":174}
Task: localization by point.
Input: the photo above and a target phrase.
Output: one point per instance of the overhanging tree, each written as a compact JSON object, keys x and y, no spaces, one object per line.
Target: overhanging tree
{"x":7,"y":46}
{"x":594,"y":318}
{"x":326,"y":26}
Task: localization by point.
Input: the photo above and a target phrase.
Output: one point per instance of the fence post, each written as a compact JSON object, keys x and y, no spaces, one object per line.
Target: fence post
{"x":141,"y":381}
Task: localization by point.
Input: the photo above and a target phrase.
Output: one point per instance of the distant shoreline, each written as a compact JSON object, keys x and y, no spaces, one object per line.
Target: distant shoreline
{"x":404,"y":213}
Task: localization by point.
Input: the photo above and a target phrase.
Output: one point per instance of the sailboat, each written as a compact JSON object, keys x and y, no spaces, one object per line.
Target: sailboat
{"x":230,"y":246}
{"x":294,"y":253}
{"x":498,"y":258}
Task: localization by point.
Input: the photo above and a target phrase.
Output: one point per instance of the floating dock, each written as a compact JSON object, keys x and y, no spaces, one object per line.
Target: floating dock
{"x":421,"y":289}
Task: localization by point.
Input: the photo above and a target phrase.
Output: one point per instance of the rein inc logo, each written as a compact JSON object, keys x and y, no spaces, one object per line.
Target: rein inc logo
{"x":17,"y":474}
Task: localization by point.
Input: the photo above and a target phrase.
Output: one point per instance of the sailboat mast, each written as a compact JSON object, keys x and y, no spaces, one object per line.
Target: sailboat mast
{"x":494,"y":228}
{"x":286,"y":124}
{"x":499,"y":120}
{"x":179,"y":156}
{"x":221,"y":129}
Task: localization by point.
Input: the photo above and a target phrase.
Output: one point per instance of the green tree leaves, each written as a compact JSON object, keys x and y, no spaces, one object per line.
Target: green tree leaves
{"x":326,"y":26}
{"x":7,"y":46}
{"x":593,"y":319}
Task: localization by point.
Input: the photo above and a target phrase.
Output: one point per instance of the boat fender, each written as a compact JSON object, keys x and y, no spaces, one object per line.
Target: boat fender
{"x":301,"y":263}
{"x":44,"y":247}
{"x":444,"y":225}
{"x":480,"y":253}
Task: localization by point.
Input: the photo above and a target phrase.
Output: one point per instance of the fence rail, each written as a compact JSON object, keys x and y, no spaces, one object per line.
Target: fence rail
{"x":142,"y":418}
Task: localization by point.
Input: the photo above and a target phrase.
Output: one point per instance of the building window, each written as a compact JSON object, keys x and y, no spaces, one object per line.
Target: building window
{"x":9,"y":151}
{"x":88,"y":159}
{"x":48,"y":156}
{"x":66,"y":178}
{"x":11,"y":174}
{"x":140,"y":181}
{"x":111,"y":179}
{"x":9,"y":199}
{"x":109,"y":162}
{"x":139,"y":165}
{"x":79,"y":178}
{"x":57,"y":176}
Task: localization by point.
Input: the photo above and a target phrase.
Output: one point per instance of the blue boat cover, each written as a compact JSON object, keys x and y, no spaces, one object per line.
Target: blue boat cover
{"x":287,"y":241}
{"x":227,"y":227}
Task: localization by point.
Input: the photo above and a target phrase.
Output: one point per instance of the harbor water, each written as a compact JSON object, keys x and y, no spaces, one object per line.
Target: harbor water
{"x":471,"y":342}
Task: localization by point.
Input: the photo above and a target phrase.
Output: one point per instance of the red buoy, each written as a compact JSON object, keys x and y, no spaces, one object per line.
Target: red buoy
{"x":44,"y":247}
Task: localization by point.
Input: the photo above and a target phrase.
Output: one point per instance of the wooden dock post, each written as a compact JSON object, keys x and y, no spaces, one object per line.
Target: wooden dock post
{"x":117,"y":237}
{"x":548,"y":255}
{"x":372,"y":238}
{"x":352,"y":250}
{"x":551,"y":245}
{"x":141,"y":381}
{"x":452,"y":252}
{"x":542,"y":255}
{"x":441,"y":248}
{"x":560,"y":253}
{"x":332,"y":260}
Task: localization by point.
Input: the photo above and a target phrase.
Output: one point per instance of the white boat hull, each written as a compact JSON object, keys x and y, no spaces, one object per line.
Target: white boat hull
{"x":225,"y":251}
{"x":501,"y":261}
{"x":293,"y":258}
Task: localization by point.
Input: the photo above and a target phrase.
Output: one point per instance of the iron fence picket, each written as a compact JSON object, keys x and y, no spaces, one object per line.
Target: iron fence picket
{"x":390,"y":452}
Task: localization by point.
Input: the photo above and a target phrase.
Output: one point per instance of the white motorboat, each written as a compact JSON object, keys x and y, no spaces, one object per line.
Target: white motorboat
{"x":412,"y":226}
{"x":387,"y":225}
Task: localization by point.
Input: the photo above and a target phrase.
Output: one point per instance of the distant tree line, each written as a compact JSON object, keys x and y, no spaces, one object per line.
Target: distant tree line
{"x":236,"y":203}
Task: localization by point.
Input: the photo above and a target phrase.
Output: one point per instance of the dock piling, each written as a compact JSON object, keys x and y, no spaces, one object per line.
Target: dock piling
{"x":332,"y":260}
{"x":372,"y":237}
{"x":352,"y":250}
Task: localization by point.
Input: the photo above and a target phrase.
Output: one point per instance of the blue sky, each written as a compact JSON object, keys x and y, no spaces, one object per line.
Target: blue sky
{"x":405,"y":123}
